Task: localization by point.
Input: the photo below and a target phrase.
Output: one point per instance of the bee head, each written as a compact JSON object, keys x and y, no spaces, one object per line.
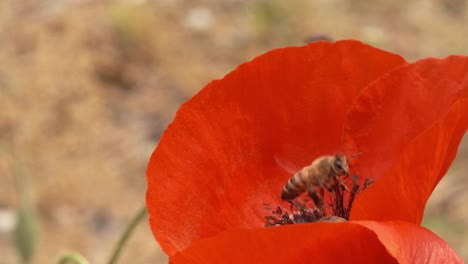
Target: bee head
{"x":340,"y":165}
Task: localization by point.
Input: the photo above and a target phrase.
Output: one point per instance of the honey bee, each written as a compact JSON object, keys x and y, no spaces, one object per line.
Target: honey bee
{"x":321,"y":173}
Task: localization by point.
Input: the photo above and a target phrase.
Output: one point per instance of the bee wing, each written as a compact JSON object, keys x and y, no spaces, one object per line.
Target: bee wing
{"x":286,"y":165}
{"x":292,"y":158}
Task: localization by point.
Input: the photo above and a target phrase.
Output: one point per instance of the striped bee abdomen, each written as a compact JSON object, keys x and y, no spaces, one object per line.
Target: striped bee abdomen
{"x":295,"y":186}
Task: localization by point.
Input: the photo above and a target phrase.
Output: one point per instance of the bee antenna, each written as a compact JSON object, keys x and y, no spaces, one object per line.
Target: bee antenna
{"x":355,"y":155}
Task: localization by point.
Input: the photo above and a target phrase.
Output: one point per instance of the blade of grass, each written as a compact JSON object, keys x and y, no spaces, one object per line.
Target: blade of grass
{"x":26,"y":225}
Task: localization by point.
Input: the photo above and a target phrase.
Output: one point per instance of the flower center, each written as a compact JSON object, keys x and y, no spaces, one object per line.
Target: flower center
{"x":321,"y":205}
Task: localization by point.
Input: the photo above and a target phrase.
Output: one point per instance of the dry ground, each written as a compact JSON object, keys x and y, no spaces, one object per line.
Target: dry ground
{"x":87,"y":87}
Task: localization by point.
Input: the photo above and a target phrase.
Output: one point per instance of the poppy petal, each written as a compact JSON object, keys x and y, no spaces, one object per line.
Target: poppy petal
{"x":348,"y":242}
{"x":306,"y":243}
{"x":399,"y":106}
{"x":389,"y":114}
{"x":215,"y":164}
{"x":410,"y":243}
{"x":403,"y":191}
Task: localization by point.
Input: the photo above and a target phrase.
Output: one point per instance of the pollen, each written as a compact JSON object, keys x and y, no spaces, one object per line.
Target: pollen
{"x":323,"y":205}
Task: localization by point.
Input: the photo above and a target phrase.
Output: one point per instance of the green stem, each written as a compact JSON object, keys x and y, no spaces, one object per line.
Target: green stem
{"x":125,"y":236}
{"x":72,"y":258}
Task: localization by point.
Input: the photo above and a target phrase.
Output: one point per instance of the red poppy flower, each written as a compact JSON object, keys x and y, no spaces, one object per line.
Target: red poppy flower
{"x":216,"y":164}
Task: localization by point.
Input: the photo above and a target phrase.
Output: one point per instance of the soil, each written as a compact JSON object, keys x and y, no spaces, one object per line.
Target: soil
{"x":87,"y":87}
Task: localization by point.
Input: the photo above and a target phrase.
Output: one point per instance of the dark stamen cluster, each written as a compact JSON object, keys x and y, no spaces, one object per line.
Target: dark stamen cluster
{"x":318,"y":210}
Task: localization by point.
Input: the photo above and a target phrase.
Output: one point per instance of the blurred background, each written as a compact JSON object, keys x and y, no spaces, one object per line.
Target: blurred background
{"x":87,"y":87}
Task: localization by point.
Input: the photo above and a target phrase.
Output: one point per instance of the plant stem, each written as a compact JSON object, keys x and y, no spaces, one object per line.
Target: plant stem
{"x":125,"y":236}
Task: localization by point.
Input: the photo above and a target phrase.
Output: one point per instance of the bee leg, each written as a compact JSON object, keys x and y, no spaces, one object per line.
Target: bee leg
{"x":317,"y":201}
{"x":343,"y":185}
{"x":340,"y":183}
{"x":322,"y":191}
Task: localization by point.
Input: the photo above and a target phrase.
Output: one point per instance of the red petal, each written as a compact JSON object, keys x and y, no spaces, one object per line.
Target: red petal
{"x":349,"y":242}
{"x":410,"y":243}
{"x":307,"y":243}
{"x":404,"y":189}
{"x":388,"y":115}
{"x":215,"y":165}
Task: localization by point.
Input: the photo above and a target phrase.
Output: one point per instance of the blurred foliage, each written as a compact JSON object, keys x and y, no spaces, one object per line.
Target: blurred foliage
{"x":271,"y":17}
{"x":26,"y":232}
{"x":72,"y":258}
{"x":132,"y":24}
